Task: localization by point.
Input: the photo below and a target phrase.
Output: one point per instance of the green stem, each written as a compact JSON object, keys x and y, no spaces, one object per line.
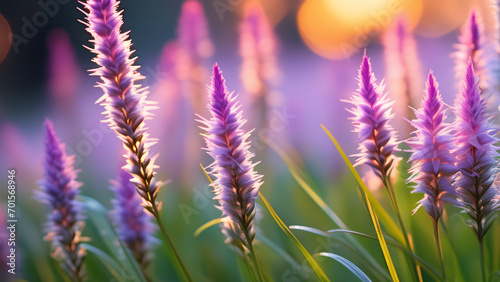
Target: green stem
{"x":390,"y":189}
{"x":483,"y":267}
{"x":181,"y":269}
{"x":438,"y":247}
{"x":253,"y":256}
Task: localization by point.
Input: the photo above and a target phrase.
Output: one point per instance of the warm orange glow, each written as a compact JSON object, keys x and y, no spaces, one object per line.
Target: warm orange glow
{"x":5,"y":33}
{"x":274,"y":10}
{"x":336,"y":29}
{"x":443,"y":16}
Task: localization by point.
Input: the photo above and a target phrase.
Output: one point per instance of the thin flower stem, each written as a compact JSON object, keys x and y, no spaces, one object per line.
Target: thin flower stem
{"x":250,"y":269}
{"x":171,"y":248}
{"x":390,"y":189}
{"x":253,"y":256}
{"x":438,"y":247}
{"x":483,"y":266}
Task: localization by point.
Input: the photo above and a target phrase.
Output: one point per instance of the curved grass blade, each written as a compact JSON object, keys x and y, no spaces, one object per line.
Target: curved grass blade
{"x":388,"y":222}
{"x":208,"y":225}
{"x":349,"y":265}
{"x":391,"y":241}
{"x":319,"y":272}
{"x":97,"y":214}
{"x":381,"y":240}
{"x":106,"y":260}
{"x":300,"y":177}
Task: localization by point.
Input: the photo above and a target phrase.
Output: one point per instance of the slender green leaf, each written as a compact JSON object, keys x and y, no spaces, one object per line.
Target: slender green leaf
{"x":106,"y":260}
{"x":349,"y":265}
{"x":381,"y":240}
{"x":388,"y":222}
{"x":433,"y":272}
{"x":301,"y":178}
{"x":97,"y":215}
{"x":298,"y":176}
{"x":208,"y":225}
{"x":319,"y":272}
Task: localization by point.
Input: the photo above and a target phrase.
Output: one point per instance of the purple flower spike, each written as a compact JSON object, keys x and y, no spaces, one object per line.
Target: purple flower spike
{"x":404,"y":79}
{"x":475,"y":153}
{"x":195,"y":45}
{"x":372,"y":114}
{"x":258,"y":46}
{"x":432,"y":163}
{"x":134,"y":226}
{"x":194,"y":37}
{"x":237,"y":183}
{"x":58,"y":190}
{"x":472,"y":46}
{"x":125,"y":103}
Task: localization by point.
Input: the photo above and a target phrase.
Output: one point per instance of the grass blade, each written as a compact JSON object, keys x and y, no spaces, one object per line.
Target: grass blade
{"x":208,"y":225}
{"x":427,"y":267}
{"x":319,"y":272}
{"x":381,"y":240}
{"x":97,"y":214}
{"x":106,"y":260}
{"x":349,"y":265}
{"x":300,"y":177}
{"x":387,"y":221}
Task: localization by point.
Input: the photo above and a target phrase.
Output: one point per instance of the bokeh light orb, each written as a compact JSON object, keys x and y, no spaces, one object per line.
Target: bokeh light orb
{"x":6,"y":38}
{"x":336,"y":29}
{"x":441,"y":17}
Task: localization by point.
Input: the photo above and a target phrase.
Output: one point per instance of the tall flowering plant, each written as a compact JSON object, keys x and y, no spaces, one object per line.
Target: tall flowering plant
{"x":376,"y":136}
{"x":58,"y":189}
{"x":237,"y":183}
{"x":432,"y":163}
{"x":476,"y":154}
{"x":126,"y":105}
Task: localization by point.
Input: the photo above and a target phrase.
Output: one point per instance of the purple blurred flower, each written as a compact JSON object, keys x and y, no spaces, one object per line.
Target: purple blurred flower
{"x":64,"y":75}
{"x":58,"y":190}
{"x":472,"y":46}
{"x":372,"y":114}
{"x":237,"y":183}
{"x":125,"y":103}
{"x":134,"y":226}
{"x":404,"y":78}
{"x":475,"y":152}
{"x":258,"y":51}
{"x":193,"y":34}
{"x":194,"y":45}
{"x":432,"y":163}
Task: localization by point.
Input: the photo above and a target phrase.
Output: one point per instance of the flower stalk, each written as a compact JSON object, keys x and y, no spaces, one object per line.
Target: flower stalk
{"x":237,"y":183}
{"x":58,"y":189}
{"x":376,"y":136}
{"x":126,"y":106}
{"x":432,"y":164}
{"x":476,"y":154}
